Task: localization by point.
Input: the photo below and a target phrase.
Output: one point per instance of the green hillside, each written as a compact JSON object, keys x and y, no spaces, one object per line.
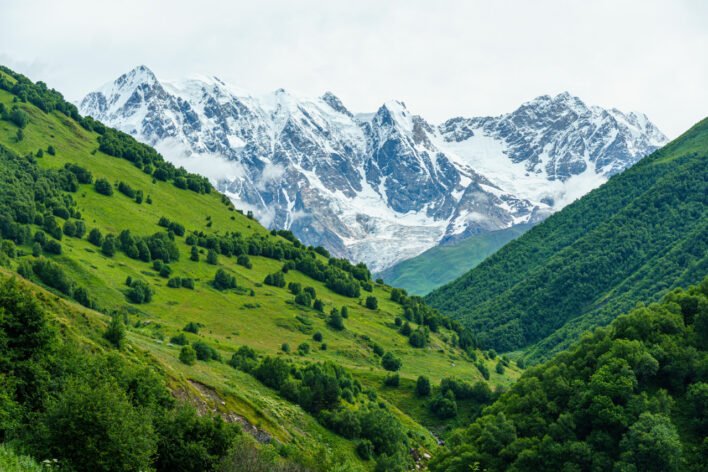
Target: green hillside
{"x":442,"y":264}
{"x":304,"y":351}
{"x":635,"y":238}
{"x":631,"y":397}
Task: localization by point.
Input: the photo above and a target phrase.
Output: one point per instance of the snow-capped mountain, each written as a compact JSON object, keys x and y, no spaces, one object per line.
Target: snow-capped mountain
{"x":378,"y":187}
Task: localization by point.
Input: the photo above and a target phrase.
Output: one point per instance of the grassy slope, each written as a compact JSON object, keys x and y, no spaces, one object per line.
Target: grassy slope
{"x":442,"y":264}
{"x":230,"y":320}
{"x":502,"y":289}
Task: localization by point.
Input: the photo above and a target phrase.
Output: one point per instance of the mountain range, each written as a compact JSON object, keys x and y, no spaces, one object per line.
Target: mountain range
{"x":376,"y":187}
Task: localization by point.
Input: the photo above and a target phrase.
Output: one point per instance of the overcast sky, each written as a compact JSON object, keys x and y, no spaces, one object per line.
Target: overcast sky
{"x":442,"y":58}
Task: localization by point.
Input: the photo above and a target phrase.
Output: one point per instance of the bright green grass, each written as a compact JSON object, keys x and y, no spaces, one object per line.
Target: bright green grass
{"x":442,"y":264}
{"x":12,"y":462}
{"x":234,"y":318}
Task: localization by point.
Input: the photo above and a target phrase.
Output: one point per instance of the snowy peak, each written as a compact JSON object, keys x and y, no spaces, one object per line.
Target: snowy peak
{"x":376,"y":187}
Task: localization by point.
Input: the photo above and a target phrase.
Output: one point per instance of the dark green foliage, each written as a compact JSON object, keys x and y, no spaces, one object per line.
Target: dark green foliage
{"x":165,"y":271}
{"x":318,"y":305}
{"x":179,"y":339}
{"x":317,"y":337}
{"x":187,"y":282}
{"x":95,"y":237}
{"x":139,"y":292}
{"x":276,"y":279}
{"x":205,"y":352}
{"x":311,"y":291}
{"x":406,"y":329}
{"x":174,"y":282}
{"x":303,"y":348}
{"x":116,"y":332}
{"x":51,"y":151}
{"x":390,"y":362}
{"x":444,"y":405}
{"x":187,"y":355}
{"x":345,"y":312}
{"x":52,"y":247}
{"x":191,"y":327}
{"x":294,"y":287}
{"x":378,"y":350}
{"x":483,"y":369}
{"x":625,"y":397}
{"x":51,"y":274}
{"x":19,"y":117}
{"x":223,"y":280}
{"x":194,"y":254}
{"x":335,"y":321}
{"x":285,"y":347}
{"x":392,"y":380}
{"x":422,"y":386}
{"x":303,"y":298}
{"x":103,"y":187}
{"x":108,"y":248}
{"x":365,"y":449}
{"x":418,"y":339}
{"x":126,"y":189}
{"x":189,"y":442}
{"x":499,"y":368}
{"x":212,"y":257}
{"x":627,"y":241}
{"x":69,"y":228}
{"x":83,"y":176}
{"x":372,"y":303}
{"x":244,"y":261}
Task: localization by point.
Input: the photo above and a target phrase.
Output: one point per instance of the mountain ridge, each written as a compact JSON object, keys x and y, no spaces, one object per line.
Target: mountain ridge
{"x":383,"y":186}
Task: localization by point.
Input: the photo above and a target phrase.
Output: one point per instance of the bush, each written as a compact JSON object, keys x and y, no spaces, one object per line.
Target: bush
{"x":303,"y":348}
{"x":390,"y":362}
{"x":378,"y":350}
{"x":165,"y":271}
{"x":139,"y":292}
{"x":194,"y":254}
{"x":244,"y":261}
{"x":108,"y":248}
{"x":303,"y":298}
{"x":311,"y":291}
{"x":115,"y":334}
{"x":500,"y":368}
{"x":392,"y":380}
{"x":95,"y":237}
{"x":103,"y":187}
{"x":276,"y":279}
{"x":126,"y":190}
{"x":345,"y":312}
{"x":52,"y":247}
{"x":294,"y":287}
{"x":174,"y":282}
{"x":444,"y":406}
{"x":188,"y":282}
{"x":187,"y":355}
{"x":285,"y":347}
{"x":365,"y":449}
{"x":191,"y":327}
{"x":19,"y":117}
{"x":223,"y":280}
{"x":205,"y":352}
{"x":317,"y":337}
{"x":422,"y":386}
{"x":372,"y":303}
{"x":417,"y":339}
{"x":179,"y":340}
{"x":318,"y":305}
{"x":336,"y":321}
{"x":212,"y":257}
{"x":69,"y":228}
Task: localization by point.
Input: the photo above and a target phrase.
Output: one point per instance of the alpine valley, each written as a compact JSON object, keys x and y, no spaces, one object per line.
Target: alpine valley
{"x":376,"y":187}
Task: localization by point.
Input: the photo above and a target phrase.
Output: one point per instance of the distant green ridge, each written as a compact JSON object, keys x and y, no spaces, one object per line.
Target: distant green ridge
{"x":639,"y":235}
{"x":442,"y":264}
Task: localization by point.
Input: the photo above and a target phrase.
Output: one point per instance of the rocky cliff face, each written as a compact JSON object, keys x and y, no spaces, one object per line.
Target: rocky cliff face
{"x":377,"y":187}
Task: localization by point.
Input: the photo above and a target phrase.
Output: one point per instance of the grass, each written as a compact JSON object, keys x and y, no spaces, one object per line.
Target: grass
{"x":233,"y":318}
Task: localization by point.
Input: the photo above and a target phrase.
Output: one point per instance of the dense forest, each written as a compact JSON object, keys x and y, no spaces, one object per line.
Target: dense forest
{"x":630,"y":397}
{"x":633,"y":239}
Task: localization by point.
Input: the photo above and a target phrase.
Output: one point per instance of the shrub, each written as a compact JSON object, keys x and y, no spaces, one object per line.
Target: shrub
{"x":244,"y":261}
{"x":365,"y":449}
{"x":95,"y":237}
{"x":318,"y":305}
{"x":115,"y":334}
{"x":194,"y":254}
{"x":303,"y":348}
{"x":418,"y":339}
{"x":276,"y":279}
{"x":378,"y":350}
{"x":179,"y":340}
{"x":223,"y":280}
{"x":422,"y":386}
{"x":336,"y":321}
{"x":191,"y":327}
{"x":19,"y":117}
{"x":53,"y":247}
{"x":311,"y":291}
{"x":372,"y":303}
{"x":390,"y":362}
{"x":108,"y":248}
{"x":212,"y":257}
{"x":188,"y":282}
{"x":103,"y":187}
{"x":285,"y":347}
{"x":345,"y":312}
{"x":303,"y":298}
{"x":187,"y":355}
{"x":69,"y":228}
{"x":295,"y":287}
{"x":205,"y":352}
{"x":500,"y":368}
{"x":126,"y":190}
{"x":139,"y":292}
{"x":165,"y":271}
{"x":174,"y":282}
{"x":392,"y":380}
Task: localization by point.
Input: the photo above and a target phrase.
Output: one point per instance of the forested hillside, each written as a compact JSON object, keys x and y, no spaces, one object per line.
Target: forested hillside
{"x":156,"y":292}
{"x":630,"y":397}
{"x":442,"y":264}
{"x":633,"y":239}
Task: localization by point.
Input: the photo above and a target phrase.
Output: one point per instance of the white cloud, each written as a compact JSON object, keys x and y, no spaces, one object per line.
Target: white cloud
{"x":442,"y":58}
